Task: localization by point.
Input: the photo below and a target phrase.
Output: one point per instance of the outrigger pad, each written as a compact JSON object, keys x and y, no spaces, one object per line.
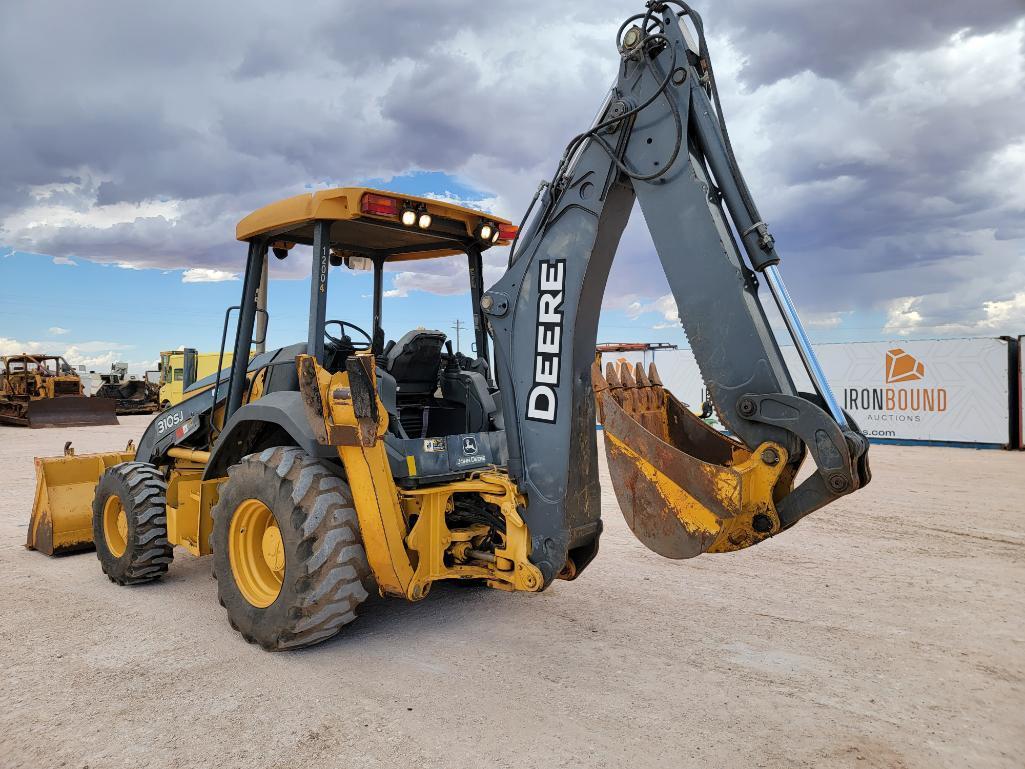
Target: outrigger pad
{"x":683,"y":487}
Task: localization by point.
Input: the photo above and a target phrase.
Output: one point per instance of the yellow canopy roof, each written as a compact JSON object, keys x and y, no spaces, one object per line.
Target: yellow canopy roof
{"x":362,"y":223}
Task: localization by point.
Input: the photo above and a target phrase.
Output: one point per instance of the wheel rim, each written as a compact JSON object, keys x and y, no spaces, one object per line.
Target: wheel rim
{"x":256,"y":553}
{"x":115,"y":526}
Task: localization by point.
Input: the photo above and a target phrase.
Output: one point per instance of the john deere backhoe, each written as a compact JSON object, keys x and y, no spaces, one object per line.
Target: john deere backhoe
{"x":320,"y":471}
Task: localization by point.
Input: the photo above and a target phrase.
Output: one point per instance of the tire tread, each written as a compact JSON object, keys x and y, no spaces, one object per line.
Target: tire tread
{"x":150,"y":553}
{"x":330,"y":582}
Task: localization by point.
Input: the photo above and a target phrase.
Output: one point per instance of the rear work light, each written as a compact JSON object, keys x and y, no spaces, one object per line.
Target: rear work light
{"x":507,"y":231}
{"x":379,"y":205}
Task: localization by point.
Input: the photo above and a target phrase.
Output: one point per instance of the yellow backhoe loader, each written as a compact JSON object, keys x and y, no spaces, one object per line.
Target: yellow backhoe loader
{"x":317,"y":472}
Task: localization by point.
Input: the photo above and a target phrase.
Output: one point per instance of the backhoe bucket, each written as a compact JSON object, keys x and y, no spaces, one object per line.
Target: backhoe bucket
{"x":62,"y":511}
{"x":684,"y":487}
{"x":70,"y":411}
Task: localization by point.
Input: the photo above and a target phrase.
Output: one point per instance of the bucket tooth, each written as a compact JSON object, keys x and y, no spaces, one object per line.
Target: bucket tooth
{"x":612,"y":375}
{"x":598,"y":382}
{"x":645,"y":398}
{"x":653,"y":376}
{"x":626,"y":376}
{"x":640,"y":377}
{"x":657,"y":391}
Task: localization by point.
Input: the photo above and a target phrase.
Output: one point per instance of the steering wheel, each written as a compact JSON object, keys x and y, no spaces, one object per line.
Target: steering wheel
{"x":344,"y":338}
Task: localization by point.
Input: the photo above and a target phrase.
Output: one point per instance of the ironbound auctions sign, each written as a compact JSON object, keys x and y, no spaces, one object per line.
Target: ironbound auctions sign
{"x":937,"y":390}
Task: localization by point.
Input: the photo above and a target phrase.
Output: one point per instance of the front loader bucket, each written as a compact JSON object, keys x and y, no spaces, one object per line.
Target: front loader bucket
{"x":62,"y":510}
{"x":70,"y":411}
{"x":684,"y":487}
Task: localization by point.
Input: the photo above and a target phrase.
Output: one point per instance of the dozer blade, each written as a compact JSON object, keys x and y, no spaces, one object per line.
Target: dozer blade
{"x":684,"y":487}
{"x":62,"y":510}
{"x":70,"y":411}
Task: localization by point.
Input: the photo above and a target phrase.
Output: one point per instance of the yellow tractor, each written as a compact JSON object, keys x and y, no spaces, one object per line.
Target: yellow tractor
{"x":342,"y":464}
{"x":44,"y":391}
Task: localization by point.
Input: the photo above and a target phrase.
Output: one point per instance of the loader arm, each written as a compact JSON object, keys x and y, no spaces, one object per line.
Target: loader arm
{"x":658,"y":139}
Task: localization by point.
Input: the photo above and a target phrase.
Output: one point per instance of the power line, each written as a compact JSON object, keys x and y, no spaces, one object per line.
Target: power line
{"x":458,"y":326}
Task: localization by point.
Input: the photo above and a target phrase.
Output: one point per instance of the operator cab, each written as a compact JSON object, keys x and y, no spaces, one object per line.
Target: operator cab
{"x":444,"y":417}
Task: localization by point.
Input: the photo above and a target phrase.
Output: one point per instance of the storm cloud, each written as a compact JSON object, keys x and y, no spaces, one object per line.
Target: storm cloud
{"x":885,"y":142}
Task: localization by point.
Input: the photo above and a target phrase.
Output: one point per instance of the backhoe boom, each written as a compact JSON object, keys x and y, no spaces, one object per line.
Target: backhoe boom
{"x":659,"y":140}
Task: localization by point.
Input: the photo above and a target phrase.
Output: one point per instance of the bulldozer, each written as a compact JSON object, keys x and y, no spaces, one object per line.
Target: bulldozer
{"x":45,"y":391}
{"x":130,"y":395}
{"x":343,"y":464}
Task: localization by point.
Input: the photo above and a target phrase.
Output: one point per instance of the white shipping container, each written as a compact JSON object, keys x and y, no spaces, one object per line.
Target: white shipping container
{"x":1021,"y":392}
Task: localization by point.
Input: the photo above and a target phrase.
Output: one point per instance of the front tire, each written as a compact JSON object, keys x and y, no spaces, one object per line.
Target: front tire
{"x":130,"y":523}
{"x":289,"y":560}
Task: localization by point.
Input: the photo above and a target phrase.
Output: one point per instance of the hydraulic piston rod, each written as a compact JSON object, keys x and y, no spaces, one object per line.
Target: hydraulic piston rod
{"x":800,"y":337}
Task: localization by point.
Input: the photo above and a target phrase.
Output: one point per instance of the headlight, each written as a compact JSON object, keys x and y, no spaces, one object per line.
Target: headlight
{"x":424,"y":221}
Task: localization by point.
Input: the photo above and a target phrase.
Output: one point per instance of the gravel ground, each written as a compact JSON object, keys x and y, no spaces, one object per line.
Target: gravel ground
{"x":884,"y":631}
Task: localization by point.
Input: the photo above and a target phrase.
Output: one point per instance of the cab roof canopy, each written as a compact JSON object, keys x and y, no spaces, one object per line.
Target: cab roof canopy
{"x":369,"y":222}
{"x":33,"y":357}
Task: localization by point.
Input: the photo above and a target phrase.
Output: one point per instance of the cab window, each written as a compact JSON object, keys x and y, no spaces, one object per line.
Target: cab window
{"x":179,"y":374}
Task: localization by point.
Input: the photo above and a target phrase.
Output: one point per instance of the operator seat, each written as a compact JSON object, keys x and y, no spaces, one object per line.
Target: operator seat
{"x":282,"y":375}
{"x":415,"y":361}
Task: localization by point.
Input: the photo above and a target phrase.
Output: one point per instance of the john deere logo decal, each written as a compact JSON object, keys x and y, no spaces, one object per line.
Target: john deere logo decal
{"x":902,"y":367}
{"x":472,"y":456}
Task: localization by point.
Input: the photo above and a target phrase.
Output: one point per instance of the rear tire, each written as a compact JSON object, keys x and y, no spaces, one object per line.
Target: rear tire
{"x":286,"y":521}
{"x":130,"y":524}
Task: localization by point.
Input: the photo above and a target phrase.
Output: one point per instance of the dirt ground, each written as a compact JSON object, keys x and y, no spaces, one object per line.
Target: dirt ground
{"x":884,"y":631}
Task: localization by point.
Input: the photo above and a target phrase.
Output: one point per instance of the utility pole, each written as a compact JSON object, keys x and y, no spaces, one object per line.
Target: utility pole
{"x":458,"y":326}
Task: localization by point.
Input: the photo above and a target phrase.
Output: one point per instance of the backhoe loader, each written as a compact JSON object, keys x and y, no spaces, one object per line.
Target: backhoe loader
{"x":338,"y":465}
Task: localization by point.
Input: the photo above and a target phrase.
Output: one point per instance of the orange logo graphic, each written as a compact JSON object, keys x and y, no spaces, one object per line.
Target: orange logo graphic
{"x":902,"y":367}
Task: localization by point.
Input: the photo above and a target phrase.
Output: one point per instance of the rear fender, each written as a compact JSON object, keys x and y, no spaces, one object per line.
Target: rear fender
{"x":276,"y":419}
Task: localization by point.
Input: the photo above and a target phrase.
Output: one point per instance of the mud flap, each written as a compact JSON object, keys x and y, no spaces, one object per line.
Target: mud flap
{"x":62,"y":509}
{"x":70,"y":411}
{"x":684,"y":487}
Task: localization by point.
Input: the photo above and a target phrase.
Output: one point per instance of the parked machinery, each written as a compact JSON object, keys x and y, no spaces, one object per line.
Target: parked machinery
{"x":45,"y":391}
{"x":187,"y":370}
{"x":318,"y":471}
{"x":130,"y":395}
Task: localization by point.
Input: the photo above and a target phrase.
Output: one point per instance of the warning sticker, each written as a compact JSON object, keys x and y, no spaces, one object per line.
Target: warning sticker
{"x":434,"y":445}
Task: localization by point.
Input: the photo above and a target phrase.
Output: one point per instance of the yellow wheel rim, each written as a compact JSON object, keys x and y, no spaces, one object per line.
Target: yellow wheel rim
{"x":256,"y":553}
{"x":115,"y":526}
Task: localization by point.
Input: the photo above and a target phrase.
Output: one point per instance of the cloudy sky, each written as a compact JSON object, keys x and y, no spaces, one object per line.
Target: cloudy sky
{"x":885,"y":143}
